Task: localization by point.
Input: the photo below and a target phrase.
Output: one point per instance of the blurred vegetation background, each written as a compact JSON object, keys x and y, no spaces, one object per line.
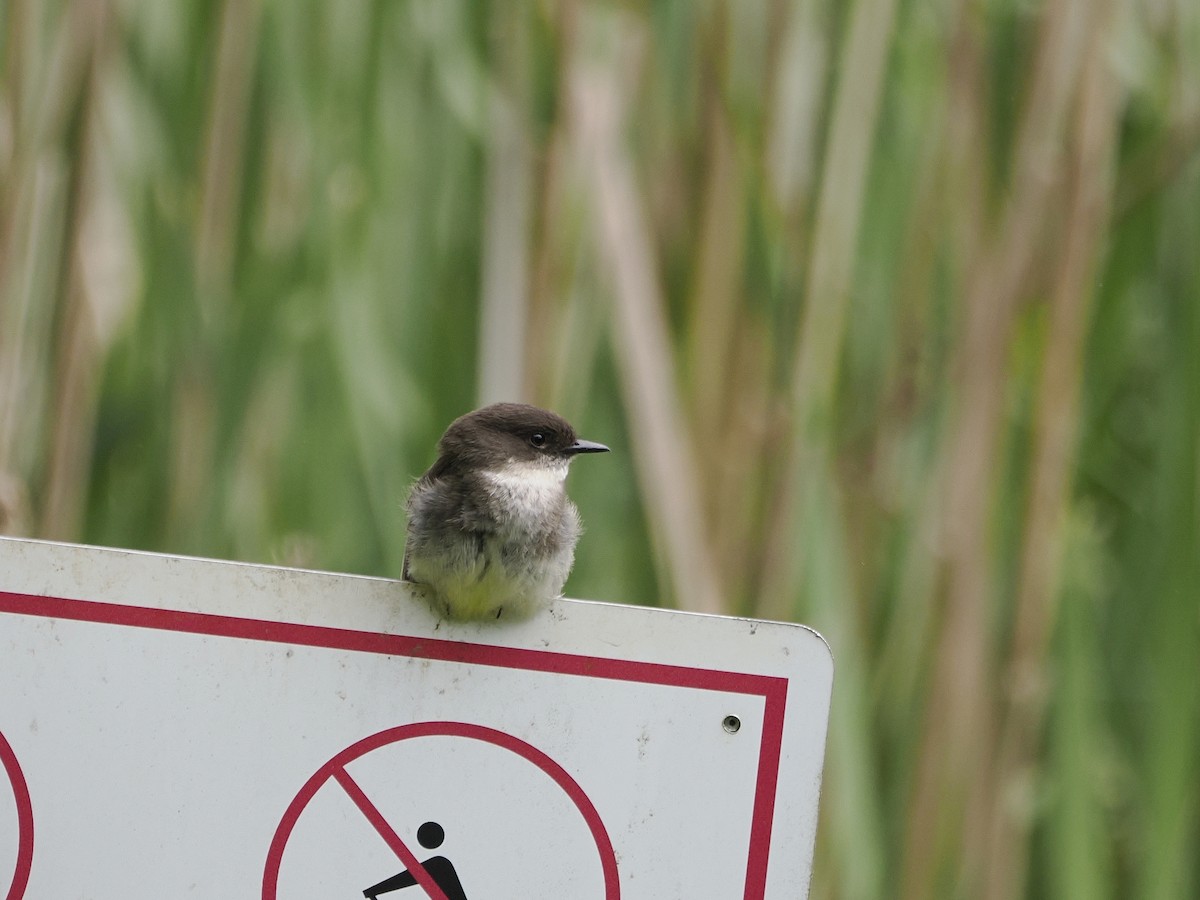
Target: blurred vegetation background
{"x":888,"y":307}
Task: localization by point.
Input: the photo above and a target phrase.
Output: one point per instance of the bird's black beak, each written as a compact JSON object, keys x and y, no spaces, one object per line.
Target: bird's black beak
{"x":585,"y":447}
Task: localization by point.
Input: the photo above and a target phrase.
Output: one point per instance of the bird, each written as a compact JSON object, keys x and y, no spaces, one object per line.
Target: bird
{"x":491,"y":530}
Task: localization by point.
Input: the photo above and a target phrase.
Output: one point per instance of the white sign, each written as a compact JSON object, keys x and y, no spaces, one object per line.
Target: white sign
{"x":175,"y":727}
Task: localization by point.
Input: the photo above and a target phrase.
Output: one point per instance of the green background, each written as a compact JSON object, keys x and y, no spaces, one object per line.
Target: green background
{"x":888,"y":309}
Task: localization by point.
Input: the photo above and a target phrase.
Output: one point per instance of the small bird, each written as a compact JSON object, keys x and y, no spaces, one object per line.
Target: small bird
{"x":491,"y":530}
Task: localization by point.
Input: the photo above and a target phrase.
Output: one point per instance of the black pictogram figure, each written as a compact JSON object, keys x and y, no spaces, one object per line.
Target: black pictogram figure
{"x":440,"y":869}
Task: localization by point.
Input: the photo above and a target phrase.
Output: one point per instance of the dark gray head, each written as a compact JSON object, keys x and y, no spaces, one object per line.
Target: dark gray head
{"x":491,"y":436}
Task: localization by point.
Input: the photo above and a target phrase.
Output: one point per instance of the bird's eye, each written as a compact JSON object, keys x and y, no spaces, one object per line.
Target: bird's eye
{"x":537,"y":439}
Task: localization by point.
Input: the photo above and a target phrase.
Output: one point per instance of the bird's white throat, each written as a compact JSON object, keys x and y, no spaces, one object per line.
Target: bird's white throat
{"x":528,"y":488}
{"x":529,"y":476}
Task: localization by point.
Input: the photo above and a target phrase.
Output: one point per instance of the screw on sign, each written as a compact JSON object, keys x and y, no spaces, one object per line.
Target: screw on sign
{"x":16,"y":843}
{"x":374,"y":788}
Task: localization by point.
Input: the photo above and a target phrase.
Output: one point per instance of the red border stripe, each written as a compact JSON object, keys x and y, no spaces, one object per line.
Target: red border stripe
{"x":388,"y":644}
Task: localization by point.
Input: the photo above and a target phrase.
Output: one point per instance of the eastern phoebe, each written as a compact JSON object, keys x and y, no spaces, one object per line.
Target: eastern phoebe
{"x":490,"y":528}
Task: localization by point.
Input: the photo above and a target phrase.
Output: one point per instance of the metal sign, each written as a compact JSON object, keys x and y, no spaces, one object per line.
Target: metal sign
{"x":182,"y":727}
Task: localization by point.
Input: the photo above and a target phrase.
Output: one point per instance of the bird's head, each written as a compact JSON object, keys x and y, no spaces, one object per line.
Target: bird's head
{"x":506,"y":433}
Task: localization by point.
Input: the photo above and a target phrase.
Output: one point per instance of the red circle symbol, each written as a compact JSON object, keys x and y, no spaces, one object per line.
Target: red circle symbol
{"x":20,"y":789}
{"x":335,"y":770}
